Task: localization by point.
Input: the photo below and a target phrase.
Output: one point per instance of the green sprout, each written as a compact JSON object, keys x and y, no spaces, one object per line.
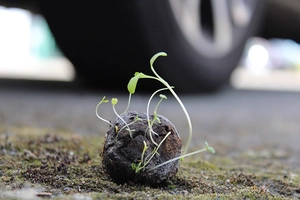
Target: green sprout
{"x":143,"y":162}
{"x":128,"y":103}
{"x":155,"y":115}
{"x":156,"y":149}
{"x":135,"y":120}
{"x":150,"y":123}
{"x":207,"y":148}
{"x":114,"y":101}
{"x":132,"y":86}
{"x":137,"y":167}
{"x":162,"y":97}
{"x":102,"y":101}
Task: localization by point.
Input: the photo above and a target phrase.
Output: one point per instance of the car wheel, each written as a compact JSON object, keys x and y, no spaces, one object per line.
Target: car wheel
{"x":204,"y":39}
{"x":108,"y":41}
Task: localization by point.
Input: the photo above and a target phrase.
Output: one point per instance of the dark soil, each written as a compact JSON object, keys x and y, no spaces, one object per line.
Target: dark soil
{"x":121,"y":149}
{"x":63,"y":165}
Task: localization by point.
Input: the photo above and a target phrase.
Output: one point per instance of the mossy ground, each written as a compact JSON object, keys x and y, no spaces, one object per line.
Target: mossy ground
{"x":62,"y":164}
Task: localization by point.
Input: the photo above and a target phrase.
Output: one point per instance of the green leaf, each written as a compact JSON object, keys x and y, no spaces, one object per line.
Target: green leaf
{"x":156,"y":56}
{"x":114,"y":101}
{"x":104,"y":100}
{"x":133,"y":166}
{"x":208,"y":148}
{"x":212,"y":150}
{"x":133,"y":81}
{"x":132,"y":84}
{"x":145,"y":146}
{"x":130,"y":130}
{"x":136,"y":167}
{"x":163,"y":96}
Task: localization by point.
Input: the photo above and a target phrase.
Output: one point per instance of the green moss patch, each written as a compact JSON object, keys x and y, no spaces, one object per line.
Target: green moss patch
{"x":63,"y":164}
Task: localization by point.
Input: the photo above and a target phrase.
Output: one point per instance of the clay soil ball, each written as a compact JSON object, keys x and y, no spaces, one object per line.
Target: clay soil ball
{"x":120,"y":150}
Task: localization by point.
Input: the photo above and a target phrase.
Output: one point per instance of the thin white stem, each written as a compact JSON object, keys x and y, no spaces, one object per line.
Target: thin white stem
{"x":148,"y":115}
{"x":177,"y":158}
{"x":144,"y":150}
{"x":137,"y":119}
{"x":122,"y":121}
{"x":150,"y":154}
{"x":182,"y":106}
{"x":128,"y":104}
{"x":155,"y":110}
{"x":157,"y":148}
{"x":96,"y":110}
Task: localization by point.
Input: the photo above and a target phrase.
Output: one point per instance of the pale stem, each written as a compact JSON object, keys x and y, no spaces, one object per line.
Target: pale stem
{"x":148,"y":116}
{"x":182,"y":106}
{"x":144,"y":150}
{"x":128,"y":104}
{"x":156,"y":107}
{"x":123,"y":121}
{"x":99,"y":115}
{"x":157,"y":149}
{"x":130,"y":123}
{"x":177,"y":158}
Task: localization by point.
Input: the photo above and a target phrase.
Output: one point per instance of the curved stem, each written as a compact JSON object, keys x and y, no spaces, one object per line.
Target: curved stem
{"x":177,"y":158}
{"x":182,"y":106}
{"x":96,"y":110}
{"x":137,"y":119}
{"x":157,"y":149}
{"x":122,"y":121}
{"x":148,"y":116}
{"x":128,"y":104}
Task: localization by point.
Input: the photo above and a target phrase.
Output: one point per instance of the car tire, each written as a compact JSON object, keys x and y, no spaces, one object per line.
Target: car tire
{"x":108,"y":41}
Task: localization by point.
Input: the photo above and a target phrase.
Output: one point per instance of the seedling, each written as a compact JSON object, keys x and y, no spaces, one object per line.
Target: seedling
{"x":151,"y":149}
{"x":102,"y":101}
{"x":143,"y":163}
{"x":207,"y":148}
{"x":150,"y":123}
{"x":114,"y":101}
{"x":132,"y":86}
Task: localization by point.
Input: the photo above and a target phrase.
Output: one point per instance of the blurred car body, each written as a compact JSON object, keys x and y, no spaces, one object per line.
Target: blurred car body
{"x":107,"y":41}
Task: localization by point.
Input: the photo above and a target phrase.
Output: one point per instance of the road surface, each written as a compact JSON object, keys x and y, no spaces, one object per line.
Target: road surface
{"x":235,"y":122}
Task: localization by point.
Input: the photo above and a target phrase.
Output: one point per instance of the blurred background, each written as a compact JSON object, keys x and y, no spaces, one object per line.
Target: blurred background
{"x":28,"y":51}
